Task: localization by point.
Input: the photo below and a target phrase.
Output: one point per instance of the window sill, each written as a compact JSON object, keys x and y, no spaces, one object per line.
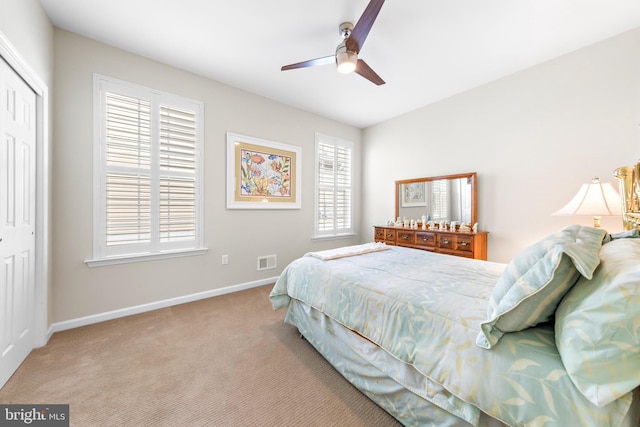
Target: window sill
{"x":100,"y":262}
{"x":334,"y":236}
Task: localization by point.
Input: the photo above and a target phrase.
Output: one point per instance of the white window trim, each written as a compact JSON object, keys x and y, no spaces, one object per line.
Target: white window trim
{"x":131,"y":89}
{"x":317,"y":235}
{"x":144,"y":257}
{"x":333,"y":236}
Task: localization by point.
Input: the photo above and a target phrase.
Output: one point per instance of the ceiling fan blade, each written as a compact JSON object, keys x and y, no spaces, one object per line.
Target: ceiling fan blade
{"x":360,"y":32}
{"x":310,"y":63}
{"x":367,"y":72}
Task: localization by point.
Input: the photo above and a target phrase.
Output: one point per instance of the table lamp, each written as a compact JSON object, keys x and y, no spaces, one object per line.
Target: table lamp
{"x":595,"y":199}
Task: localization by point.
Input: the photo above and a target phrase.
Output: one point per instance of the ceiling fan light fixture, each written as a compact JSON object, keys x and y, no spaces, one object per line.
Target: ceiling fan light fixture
{"x":346,"y":56}
{"x":346,"y":61}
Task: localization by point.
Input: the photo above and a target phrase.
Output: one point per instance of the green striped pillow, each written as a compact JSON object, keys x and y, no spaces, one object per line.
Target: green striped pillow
{"x":535,"y":281}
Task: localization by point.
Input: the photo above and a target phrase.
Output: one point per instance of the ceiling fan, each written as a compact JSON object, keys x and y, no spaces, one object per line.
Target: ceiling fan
{"x":346,"y":56}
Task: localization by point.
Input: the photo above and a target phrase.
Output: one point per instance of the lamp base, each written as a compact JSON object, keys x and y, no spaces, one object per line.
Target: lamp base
{"x":596,"y":222}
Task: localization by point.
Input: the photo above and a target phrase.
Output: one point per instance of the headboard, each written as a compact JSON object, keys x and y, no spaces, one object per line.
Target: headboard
{"x":629,"y":177}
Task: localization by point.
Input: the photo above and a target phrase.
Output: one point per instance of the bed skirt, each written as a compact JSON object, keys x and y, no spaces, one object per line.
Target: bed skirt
{"x":345,"y":350}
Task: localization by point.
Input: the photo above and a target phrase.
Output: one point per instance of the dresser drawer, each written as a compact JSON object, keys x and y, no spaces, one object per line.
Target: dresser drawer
{"x":464,"y":243}
{"x":405,"y":237}
{"x":424,"y":238}
{"x":446,"y":241}
{"x":389,"y":235}
{"x":458,"y":243}
{"x":386,"y":235}
{"x":378,"y":234}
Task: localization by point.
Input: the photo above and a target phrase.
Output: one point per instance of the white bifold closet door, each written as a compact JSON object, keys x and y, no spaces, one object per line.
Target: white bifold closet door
{"x":17,"y":219}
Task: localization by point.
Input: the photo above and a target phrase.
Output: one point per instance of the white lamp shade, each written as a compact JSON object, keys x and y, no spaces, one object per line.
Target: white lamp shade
{"x":595,"y":199}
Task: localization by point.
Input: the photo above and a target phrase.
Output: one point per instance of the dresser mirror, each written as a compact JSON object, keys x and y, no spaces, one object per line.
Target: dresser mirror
{"x":439,"y":198}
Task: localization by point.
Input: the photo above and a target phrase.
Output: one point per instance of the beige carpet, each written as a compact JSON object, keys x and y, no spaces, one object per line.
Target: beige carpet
{"x":224,"y":361}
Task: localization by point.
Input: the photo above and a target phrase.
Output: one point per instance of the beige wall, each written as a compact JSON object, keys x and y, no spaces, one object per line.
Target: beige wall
{"x":242,"y":234}
{"x":533,"y":138}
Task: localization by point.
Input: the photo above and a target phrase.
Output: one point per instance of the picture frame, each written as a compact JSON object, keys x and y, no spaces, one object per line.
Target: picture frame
{"x":262,"y":174}
{"x":413,"y":194}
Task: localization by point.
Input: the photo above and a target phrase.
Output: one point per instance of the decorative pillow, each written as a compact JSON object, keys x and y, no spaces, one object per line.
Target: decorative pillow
{"x":535,"y":281}
{"x":598,"y":325}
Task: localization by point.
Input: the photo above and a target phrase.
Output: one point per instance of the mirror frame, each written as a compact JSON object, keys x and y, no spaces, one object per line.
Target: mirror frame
{"x":471,"y":175}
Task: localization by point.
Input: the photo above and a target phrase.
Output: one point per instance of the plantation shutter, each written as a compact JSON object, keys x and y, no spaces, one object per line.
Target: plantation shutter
{"x":177,"y":176}
{"x":128,"y":178}
{"x":326,"y":187}
{"x":343,"y":188}
{"x":148,"y":172}
{"x":334,"y":188}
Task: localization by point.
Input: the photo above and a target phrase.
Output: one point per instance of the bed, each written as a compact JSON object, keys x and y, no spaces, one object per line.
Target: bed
{"x":550,"y":339}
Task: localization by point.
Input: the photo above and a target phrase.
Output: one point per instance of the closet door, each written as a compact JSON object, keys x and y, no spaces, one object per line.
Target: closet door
{"x":17,"y":219}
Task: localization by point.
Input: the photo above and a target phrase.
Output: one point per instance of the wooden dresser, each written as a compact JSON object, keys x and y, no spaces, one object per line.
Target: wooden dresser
{"x":458,"y":243}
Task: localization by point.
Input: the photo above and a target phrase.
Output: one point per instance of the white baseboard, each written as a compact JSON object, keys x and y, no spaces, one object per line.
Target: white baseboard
{"x":110,"y":315}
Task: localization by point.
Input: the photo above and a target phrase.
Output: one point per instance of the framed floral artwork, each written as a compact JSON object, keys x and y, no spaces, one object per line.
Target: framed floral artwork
{"x":262,"y":174}
{"x":413,"y":194}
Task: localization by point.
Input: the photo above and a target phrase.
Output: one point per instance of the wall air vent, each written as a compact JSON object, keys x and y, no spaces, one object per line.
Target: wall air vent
{"x":267,"y":262}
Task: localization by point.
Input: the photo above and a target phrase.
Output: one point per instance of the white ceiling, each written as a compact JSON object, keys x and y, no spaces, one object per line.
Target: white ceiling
{"x":425,"y":50}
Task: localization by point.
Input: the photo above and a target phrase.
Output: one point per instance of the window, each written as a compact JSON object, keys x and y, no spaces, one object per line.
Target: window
{"x":440,"y":200}
{"x":147,"y":173}
{"x":334,"y":187}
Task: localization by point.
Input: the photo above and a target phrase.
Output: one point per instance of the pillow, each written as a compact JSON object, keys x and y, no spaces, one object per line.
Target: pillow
{"x":628,"y":234}
{"x":598,"y":325}
{"x":537,"y":278}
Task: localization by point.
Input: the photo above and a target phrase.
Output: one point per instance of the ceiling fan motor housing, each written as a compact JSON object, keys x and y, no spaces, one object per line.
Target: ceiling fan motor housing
{"x":345,"y":29}
{"x":345,"y":59}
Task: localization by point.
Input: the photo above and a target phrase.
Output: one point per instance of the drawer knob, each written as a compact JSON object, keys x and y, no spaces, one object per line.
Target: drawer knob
{"x":425,"y":239}
{"x":405,"y":236}
{"x":389,"y":235}
{"x":446,"y":242}
{"x":464,"y":243}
